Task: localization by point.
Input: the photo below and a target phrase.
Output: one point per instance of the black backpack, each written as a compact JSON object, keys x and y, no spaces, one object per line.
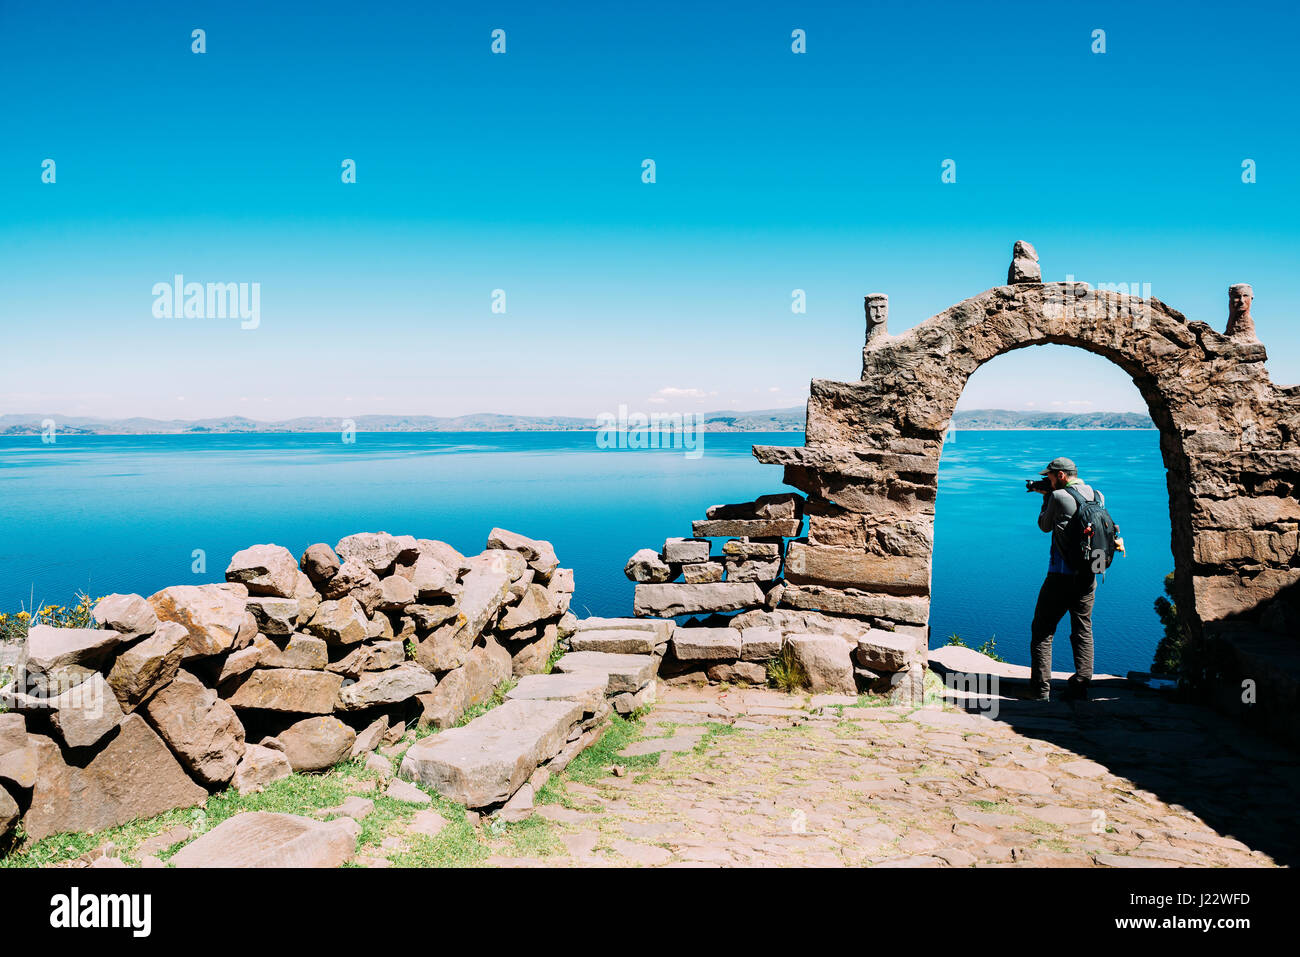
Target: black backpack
{"x":1089,"y":535}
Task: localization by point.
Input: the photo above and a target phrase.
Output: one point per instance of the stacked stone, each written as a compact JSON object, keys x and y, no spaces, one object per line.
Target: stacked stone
{"x":627,"y":650}
{"x":319,"y":659}
{"x":497,"y":761}
{"x":745,"y":576}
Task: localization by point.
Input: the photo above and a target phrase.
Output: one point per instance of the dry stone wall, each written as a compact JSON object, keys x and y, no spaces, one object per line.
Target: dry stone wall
{"x":288,"y":665}
{"x":752,"y":606}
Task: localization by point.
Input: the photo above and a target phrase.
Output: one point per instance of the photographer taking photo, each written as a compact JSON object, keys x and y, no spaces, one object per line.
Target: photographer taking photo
{"x":1083,"y":544}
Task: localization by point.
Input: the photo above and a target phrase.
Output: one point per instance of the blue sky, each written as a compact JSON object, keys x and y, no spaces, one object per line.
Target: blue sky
{"x":522,"y":172}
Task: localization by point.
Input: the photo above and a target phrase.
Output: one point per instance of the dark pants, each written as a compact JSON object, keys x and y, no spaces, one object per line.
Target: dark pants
{"x":1059,"y":594}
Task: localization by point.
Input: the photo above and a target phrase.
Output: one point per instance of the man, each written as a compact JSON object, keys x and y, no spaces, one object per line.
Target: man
{"x":1064,"y":589}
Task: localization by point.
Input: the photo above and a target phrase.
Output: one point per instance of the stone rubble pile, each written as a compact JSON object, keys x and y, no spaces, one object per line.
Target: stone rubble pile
{"x":762,"y":599}
{"x":318,"y":660}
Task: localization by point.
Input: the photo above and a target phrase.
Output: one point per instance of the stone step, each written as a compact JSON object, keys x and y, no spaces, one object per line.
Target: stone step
{"x":954,"y":659}
{"x":628,"y":673}
{"x":586,"y":688}
{"x":622,"y":642}
{"x":485,"y":762}
{"x":663,"y":627}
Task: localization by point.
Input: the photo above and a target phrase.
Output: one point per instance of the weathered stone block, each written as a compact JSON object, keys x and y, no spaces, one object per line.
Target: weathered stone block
{"x":672,"y":600}
{"x":623,"y":672}
{"x":747,"y":528}
{"x":267,"y":839}
{"x":487,"y":760}
{"x":826,"y":660}
{"x":646,"y":566}
{"x":386,"y":687}
{"x":744,"y":548}
{"x":586,"y":688}
{"x":823,"y":565}
{"x":904,"y":608}
{"x":377,"y":551}
{"x":147,"y":665}
{"x":759,"y":644}
{"x":130,"y":615}
{"x":539,"y":555}
{"x":752,"y":570}
{"x":620,"y":642}
{"x":265,"y":570}
{"x":48,"y":648}
{"x":285,"y":689}
{"x":883,"y":651}
{"x":314,"y":744}
{"x":780,"y":505}
{"x":685,"y":550}
{"x":707,"y":644}
{"x":135,"y":776}
{"x":203,"y":730}
{"x":700,"y":572}
{"x":213,"y":615}
{"x":274,"y":616}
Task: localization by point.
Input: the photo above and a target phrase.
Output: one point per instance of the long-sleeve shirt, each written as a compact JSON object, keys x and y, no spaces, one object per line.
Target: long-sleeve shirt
{"x":1055,"y":515}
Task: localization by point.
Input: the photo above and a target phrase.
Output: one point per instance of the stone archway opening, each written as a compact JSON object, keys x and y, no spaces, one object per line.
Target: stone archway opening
{"x":981,"y":507}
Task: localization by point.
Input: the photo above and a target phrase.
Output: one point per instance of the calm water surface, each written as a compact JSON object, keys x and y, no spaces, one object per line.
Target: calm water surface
{"x":127,"y":513}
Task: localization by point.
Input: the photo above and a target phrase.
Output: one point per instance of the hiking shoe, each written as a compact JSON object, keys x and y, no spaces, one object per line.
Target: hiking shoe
{"x":1032,"y":695}
{"x":1075,"y":691}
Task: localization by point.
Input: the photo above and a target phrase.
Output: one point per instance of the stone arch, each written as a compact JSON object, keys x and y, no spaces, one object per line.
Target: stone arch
{"x":870,"y":460}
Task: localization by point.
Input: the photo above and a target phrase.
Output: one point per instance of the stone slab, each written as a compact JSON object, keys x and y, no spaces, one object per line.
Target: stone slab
{"x":586,"y":688}
{"x":266,"y":839}
{"x":623,"y":672}
{"x":746,"y":528}
{"x":623,"y":642}
{"x":682,"y":599}
{"x":489,"y":759}
{"x":134,"y":776}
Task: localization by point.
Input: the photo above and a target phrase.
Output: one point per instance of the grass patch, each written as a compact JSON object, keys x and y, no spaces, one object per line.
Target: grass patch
{"x":785,"y":673}
{"x":716,"y":730}
{"x":1055,"y":844}
{"x":995,"y":807}
{"x":456,"y":845}
{"x":533,"y":837}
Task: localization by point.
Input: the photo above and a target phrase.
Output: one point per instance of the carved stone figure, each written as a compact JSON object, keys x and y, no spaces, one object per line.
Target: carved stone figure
{"x":877,"y":306}
{"x":1240,"y":323}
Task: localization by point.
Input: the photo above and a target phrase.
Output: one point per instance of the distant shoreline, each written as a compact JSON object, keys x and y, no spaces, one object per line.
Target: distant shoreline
{"x":755,"y":420}
{"x":987,"y":428}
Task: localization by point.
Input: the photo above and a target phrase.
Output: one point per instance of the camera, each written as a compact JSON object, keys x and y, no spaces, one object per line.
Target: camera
{"x":1037,"y":485}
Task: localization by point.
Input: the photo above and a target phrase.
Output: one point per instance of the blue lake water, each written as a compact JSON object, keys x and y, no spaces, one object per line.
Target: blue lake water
{"x":127,"y":513}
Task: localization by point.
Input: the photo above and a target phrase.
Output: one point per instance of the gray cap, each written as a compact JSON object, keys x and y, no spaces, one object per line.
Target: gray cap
{"x":1060,"y":464}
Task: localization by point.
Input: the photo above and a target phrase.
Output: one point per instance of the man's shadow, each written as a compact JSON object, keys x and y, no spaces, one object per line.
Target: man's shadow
{"x":1239,"y":781}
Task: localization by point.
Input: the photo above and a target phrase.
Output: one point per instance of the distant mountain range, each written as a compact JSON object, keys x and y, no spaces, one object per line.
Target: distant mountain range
{"x":1009,"y":419}
{"x":762,"y":420}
